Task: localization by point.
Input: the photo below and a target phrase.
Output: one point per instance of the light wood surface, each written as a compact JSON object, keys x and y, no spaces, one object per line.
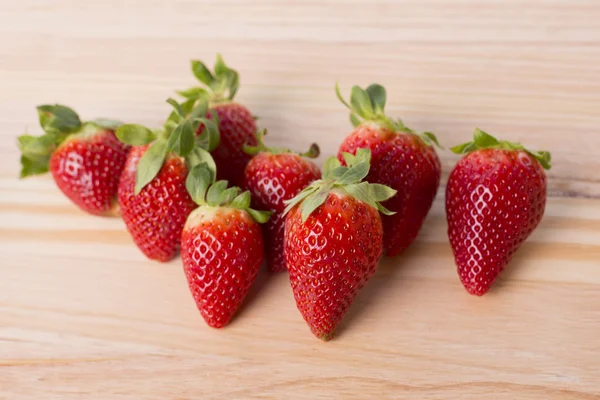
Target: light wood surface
{"x":84,"y":316}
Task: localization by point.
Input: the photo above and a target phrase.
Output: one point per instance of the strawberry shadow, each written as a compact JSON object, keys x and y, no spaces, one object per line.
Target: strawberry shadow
{"x":510,"y":273}
{"x":376,"y":292}
{"x":257,"y":287}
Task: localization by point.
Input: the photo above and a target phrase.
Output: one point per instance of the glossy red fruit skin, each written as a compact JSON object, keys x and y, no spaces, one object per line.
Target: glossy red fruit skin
{"x":272,"y":179}
{"x":330,"y":258}
{"x":403,"y":162}
{"x":494,"y":200}
{"x":237,"y":127}
{"x":87,"y":167}
{"x":156,"y":216}
{"x":221,"y":258}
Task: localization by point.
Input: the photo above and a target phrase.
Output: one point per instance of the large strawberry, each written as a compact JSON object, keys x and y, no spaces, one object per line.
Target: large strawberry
{"x":152,"y":195}
{"x":236,"y":122}
{"x":401,"y":159}
{"x":495,"y":198}
{"x":273,"y":176}
{"x":85,"y":158}
{"x":333,"y":240}
{"x":221,"y":246}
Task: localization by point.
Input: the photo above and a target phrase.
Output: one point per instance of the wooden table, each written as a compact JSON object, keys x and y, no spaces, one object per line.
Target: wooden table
{"x":84,"y":316}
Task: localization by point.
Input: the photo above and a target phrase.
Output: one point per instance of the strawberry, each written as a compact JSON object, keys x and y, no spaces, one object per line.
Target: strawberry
{"x":221,"y":246}
{"x":236,"y":123}
{"x":334,"y":240}
{"x":84,"y":158}
{"x":152,"y":195}
{"x":272,"y":176}
{"x":401,"y":159}
{"x":495,"y":198}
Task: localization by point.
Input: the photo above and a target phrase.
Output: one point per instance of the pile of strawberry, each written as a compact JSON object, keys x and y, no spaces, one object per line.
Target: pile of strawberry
{"x":177,"y":189}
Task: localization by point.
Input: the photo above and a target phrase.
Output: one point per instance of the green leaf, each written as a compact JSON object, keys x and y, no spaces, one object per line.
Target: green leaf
{"x":220,"y":67}
{"x":198,"y":156}
{"x":349,"y":158}
{"x":214,"y":193}
{"x":361,"y":104}
{"x":430,"y":138}
{"x":362,"y":154}
{"x":199,"y":110}
{"x":483,"y":140}
{"x":55,"y":119}
{"x":463,"y":148}
{"x":259,"y":216}
{"x":150,"y":164}
{"x":210,"y":137}
{"x":35,"y":153}
{"x":354,"y":174}
{"x":105,"y":123}
{"x":380,"y":192}
{"x":135,"y":135}
{"x":181,"y":140}
{"x":354,"y":120}
{"x":377,"y":96}
{"x":178,"y":109}
{"x":339,"y":96}
{"x":194,"y":93}
{"x":543,"y":157}
{"x":312,"y":202}
{"x":289,"y":204}
{"x":228,"y":195}
{"x":198,"y":180}
{"x":202,"y":73}
{"x":242,"y":201}
{"x":384,"y":210}
{"x":329,"y":165}
{"x":361,"y":192}
{"x":31,"y":167}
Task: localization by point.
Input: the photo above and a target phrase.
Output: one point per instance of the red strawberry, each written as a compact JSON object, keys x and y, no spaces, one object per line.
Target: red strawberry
{"x":495,"y":198}
{"x":333,"y":240}
{"x":236,"y":122}
{"x":401,"y":159}
{"x":85,"y":159}
{"x":221,"y":246}
{"x":152,"y":195}
{"x":273,"y":176}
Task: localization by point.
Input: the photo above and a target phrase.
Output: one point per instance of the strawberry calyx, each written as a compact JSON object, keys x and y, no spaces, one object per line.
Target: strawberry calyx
{"x":58,"y":122}
{"x":220,"y":85}
{"x":312,"y":152}
{"x":176,"y":138}
{"x":483,"y":140}
{"x":345,"y":180}
{"x":203,"y":189}
{"x":368,"y":106}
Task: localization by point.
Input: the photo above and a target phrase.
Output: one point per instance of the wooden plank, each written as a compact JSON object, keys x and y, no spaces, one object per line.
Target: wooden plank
{"x":84,"y":315}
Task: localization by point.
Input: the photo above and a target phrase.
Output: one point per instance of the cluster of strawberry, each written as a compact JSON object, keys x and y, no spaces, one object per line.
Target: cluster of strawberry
{"x":178,"y":190}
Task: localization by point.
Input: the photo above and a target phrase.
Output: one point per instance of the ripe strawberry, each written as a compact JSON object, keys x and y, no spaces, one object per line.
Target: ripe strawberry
{"x":236,"y":122}
{"x":495,"y":198}
{"x":333,"y":240}
{"x":85,"y":159}
{"x":221,"y":246}
{"x":273,"y":176}
{"x":401,"y":159}
{"x":152,"y":195}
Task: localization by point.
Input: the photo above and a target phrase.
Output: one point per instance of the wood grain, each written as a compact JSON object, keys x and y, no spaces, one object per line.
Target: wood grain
{"x":84,"y":316}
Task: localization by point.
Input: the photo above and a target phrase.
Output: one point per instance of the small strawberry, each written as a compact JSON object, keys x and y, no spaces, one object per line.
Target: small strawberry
{"x":334,"y":240}
{"x":495,"y":198}
{"x":236,"y":122}
{"x":221,"y":246}
{"x":85,"y":159}
{"x":273,"y":176}
{"x":152,"y":195}
{"x":401,"y":159}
